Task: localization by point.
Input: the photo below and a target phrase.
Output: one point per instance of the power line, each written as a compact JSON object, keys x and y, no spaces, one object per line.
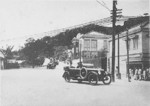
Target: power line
{"x":104,"y":5}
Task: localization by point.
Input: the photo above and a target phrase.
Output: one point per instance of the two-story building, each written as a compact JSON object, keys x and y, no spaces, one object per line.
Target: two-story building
{"x":138,"y":44}
{"x":92,"y":47}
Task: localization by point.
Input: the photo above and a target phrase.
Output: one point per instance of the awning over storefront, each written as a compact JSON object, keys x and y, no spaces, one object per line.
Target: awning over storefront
{"x":133,"y":59}
{"x":131,"y":37}
{"x":138,"y":60}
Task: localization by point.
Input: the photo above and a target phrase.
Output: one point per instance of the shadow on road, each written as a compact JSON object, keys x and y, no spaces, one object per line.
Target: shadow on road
{"x":87,"y":83}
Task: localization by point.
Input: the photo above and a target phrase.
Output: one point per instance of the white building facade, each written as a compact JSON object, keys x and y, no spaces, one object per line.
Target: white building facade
{"x":89,"y":46}
{"x":139,"y":48}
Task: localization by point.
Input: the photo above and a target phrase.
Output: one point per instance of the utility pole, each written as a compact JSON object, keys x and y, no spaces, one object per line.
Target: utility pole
{"x":115,"y":13}
{"x":119,"y":74}
{"x":113,"y":39}
{"x":80,"y":51}
{"x":127,"y":56}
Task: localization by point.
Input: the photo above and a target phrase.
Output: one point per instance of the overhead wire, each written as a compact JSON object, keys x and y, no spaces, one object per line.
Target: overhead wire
{"x":104,"y":5}
{"x":62,"y":29}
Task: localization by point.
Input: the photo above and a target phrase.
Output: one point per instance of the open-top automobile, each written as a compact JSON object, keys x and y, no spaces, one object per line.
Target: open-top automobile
{"x":92,"y":75}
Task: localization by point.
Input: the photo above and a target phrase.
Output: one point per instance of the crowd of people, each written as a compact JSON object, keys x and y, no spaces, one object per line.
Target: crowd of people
{"x":137,"y":73}
{"x":140,"y":74}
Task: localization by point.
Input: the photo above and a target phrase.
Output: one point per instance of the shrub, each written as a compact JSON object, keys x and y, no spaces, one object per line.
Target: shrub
{"x":11,"y":65}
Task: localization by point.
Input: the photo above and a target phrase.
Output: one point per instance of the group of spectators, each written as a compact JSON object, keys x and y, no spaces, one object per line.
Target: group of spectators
{"x":139,"y":73}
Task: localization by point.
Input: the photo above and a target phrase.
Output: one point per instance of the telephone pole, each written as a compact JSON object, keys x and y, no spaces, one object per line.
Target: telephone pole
{"x":80,"y":51}
{"x":113,"y":39}
{"x":115,"y":13}
{"x":127,"y":44}
{"x":119,"y":74}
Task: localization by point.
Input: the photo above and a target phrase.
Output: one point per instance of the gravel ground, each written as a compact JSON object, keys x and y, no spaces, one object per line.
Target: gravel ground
{"x":45,"y":87}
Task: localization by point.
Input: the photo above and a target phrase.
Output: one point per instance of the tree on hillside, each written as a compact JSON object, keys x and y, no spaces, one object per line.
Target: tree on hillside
{"x":35,"y":50}
{"x":59,"y":51}
{"x":49,"y":43}
{"x":8,"y":53}
{"x":30,"y":51}
{"x":135,"y":21}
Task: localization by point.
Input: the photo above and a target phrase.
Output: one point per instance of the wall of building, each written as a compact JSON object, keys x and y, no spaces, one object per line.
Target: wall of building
{"x":92,"y":56}
{"x":123,"y":55}
{"x":1,"y":64}
{"x":146,"y":42}
{"x":143,"y":47}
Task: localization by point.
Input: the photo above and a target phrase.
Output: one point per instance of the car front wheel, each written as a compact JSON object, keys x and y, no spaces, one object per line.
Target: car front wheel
{"x":93,"y":79}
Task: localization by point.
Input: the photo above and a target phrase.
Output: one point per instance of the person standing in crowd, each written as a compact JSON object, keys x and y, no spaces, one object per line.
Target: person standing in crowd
{"x":148,"y":73}
{"x":136,"y":74}
{"x":133,"y":71}
{"x":149,"y":70}
{"x":139,"y":74}
{"x":116,"y":71}
{"x":144,"y":74}
{"x":70,"y":58}
{"x":130,"y":74}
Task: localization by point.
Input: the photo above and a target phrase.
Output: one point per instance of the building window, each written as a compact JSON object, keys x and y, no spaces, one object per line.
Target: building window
{"x":94,"y":45}
{"x":94,"y":54}
{"x":77,"y":44}
{"x":87,"y":44}
{"x":86,"y":54}
{"x":135,"y":43}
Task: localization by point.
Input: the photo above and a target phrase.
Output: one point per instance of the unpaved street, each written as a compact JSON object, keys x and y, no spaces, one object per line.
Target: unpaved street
{"x":45,"y":87}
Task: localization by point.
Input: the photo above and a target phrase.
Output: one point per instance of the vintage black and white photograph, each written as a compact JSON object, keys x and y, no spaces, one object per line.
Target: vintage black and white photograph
{"x":74,"y":53}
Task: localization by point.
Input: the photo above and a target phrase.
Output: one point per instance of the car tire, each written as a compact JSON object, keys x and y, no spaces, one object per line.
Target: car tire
{"x":83,"y":73}
{"x":67,"y":77}
{"x":107,"y":79}
{"x":93,"y":79}
{"x":79,"y":80}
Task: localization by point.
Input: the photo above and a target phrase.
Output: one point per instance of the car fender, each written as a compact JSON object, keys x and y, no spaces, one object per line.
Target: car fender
{"x":66,"y":68}
{"x":107,"y":73}
{"x":65,"y":74}
{"x":93,"y":73}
